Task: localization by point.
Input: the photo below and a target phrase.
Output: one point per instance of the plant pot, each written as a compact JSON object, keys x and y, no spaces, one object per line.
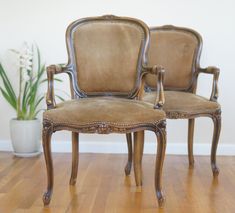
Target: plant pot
{"x":25,"y":137}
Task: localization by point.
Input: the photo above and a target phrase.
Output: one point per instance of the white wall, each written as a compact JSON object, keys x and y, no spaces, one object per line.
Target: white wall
{"x":45,"y":23}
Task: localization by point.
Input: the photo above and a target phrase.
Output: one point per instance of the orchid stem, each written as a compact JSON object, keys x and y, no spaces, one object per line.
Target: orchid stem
{"x":19,"y":97}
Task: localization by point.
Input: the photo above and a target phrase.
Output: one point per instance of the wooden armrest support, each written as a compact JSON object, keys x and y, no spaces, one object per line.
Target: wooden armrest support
{"x":160,"y":72}
{"x":215,"y":72}
{"x":51,"y":70}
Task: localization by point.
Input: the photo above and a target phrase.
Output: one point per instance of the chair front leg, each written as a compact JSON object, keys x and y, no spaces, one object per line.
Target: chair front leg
{"x":75,"y":158}
{"x":217,"y":127}
{"x":138,"y":153}
{"x":46,"y":140}
{"x":129,"y":146}
{"x":161,"y":148}
{"x":190,"y":141}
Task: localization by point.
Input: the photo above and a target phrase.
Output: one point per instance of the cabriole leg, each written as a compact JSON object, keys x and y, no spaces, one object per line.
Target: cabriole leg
{"x":161,"y":148}
{"x":46,"y":140}
{"x":217,"y":127}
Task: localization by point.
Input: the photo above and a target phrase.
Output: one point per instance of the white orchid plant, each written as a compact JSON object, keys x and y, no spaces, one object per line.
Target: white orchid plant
{"x":26,"y":102}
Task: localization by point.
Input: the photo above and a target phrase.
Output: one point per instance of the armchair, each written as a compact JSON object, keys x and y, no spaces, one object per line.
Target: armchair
{"x":178,"y":50}
{"x":106,"y":66}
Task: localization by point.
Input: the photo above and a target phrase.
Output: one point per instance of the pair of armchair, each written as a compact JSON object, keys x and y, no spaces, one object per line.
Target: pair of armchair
{"x":109,"y":77}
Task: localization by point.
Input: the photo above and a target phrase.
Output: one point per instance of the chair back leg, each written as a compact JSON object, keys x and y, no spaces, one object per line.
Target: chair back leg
{"x":129,"y":161}
{"x":138,"y":153}
{"x":75,"y":158}
{"x":190,"y":141}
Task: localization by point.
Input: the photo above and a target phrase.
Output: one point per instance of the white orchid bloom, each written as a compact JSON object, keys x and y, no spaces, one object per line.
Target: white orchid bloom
{"x":25,"y":76}
{"x":26,"y":64}
{"x":24,"y":57}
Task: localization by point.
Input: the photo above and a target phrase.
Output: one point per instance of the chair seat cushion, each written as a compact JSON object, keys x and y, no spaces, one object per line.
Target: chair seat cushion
{"x":184,"y":104}
{"x":106,"y":110}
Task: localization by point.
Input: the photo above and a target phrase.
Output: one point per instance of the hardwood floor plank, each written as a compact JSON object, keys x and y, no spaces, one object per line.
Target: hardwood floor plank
{"x":102,"y":186}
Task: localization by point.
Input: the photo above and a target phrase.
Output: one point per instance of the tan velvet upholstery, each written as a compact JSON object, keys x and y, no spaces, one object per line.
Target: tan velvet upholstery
{"x":183,"y":104}
{"x":106,"y":55}
{"x":105,"y":110}
{"x":176,"y":51}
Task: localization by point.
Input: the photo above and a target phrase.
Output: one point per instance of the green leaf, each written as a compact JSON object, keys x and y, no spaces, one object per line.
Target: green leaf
{"x":24,"y":100}
{"x":55,"y":79}
{"x":3,"y":74}
{"x":7,"y":84}
{"x":59,"y":97}
{"x":8,"y":98}
{"x":39,"y":57}
{"x":36,"y":113}
{"x":39,"y":100}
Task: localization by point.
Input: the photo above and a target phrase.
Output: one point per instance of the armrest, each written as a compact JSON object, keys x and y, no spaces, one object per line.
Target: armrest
{"x":215,"y":72}
{"x":51,"y":70}
{"x":160,"y":72}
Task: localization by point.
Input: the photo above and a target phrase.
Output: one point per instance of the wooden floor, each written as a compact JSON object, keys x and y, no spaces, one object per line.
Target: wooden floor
{"x":103,"y":187}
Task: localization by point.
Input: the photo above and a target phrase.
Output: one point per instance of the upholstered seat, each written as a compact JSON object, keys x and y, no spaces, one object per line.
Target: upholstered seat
{"x":113,"y":111}
{"x":183,"y":104}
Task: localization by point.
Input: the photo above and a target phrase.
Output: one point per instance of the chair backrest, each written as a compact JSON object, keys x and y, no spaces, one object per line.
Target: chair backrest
{"x":178,"y":51}
{"x":106,"y":55}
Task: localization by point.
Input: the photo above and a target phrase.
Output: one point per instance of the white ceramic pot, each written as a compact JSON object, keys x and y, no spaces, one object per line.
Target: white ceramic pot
{"x":25,"y":137}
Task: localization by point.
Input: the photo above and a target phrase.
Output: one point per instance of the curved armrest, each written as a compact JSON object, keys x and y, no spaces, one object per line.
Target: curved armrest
{"x":51,"y":70}
{"x":160,"y":72}
{"x":215,"y":72}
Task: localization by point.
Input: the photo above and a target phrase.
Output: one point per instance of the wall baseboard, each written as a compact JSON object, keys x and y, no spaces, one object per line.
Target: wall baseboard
{"x":120,"y":147}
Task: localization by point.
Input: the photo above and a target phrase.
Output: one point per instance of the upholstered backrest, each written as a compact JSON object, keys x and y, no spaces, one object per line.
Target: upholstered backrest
{"x":106,"y":54}
{"x":178,"y":51}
